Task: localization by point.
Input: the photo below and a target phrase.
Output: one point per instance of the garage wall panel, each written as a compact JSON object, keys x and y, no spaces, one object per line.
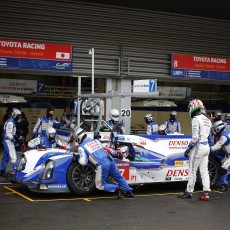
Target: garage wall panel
{"x":145,"y":38}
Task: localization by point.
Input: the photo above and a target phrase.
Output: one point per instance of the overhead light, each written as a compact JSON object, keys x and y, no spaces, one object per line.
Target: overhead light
{"x":5,"y":98}
{"x":159,"y":103}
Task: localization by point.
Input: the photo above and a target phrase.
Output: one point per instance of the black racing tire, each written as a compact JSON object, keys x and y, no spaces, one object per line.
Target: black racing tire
{"x":214,"y":169}
{"x":81,"y":179}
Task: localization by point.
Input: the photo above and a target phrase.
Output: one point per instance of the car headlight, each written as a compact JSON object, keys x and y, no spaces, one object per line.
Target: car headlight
{"x":22,"y":163}
{"x":48,"y":171}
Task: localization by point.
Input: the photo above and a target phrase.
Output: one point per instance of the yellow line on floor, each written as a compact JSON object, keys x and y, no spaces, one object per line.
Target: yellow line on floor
{"x":18,"y":193}
{"x":89,"y":199}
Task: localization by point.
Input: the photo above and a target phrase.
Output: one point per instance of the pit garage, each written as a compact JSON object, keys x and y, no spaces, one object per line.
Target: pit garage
{"x":129,"y":42}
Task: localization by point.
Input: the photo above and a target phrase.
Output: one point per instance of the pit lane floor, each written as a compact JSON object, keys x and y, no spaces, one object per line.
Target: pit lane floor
{"x":154,"y":207}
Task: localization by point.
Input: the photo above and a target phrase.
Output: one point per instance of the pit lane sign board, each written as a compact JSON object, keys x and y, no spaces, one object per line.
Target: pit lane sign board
{"x":145,"y":86}
{"x":196,"y":66}
{"x":21,"y":86}
{"x":35,"y":55}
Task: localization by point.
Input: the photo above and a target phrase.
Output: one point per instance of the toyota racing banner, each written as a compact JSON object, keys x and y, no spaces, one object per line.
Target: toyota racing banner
{"x":197,"y":66}
{"x":35,"y":55}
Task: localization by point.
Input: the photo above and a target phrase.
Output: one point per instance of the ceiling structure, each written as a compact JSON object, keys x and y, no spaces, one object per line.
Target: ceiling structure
{"x":200,"y":8}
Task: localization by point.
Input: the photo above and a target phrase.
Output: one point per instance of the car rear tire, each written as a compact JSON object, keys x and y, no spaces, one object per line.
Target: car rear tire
{"x":214,"y":169}
{"x":81,"y":179}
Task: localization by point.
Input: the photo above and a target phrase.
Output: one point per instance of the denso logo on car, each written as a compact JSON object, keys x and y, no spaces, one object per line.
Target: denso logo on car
{"x":177,"y":172}
{"x":178,"y":143}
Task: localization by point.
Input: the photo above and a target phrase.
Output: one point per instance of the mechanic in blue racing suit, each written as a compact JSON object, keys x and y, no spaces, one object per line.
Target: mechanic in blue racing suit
{"x":152,"y":126}
{"x":172,"y":124}
{"x":9,"y":140}
{"x":43,"y":123}
{"x":49,"y":141}
{"x":223,"y":145}
{"x":93,"y":151}
{"x":114,"y":121}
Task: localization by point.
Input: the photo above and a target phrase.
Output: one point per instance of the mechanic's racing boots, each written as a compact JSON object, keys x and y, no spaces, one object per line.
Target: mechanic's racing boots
{"x":129,"y":195}
{"x":204,"y":196}
{"x":223,"y":188}
{"x":120,"y":193}
{"x":184,"y":195}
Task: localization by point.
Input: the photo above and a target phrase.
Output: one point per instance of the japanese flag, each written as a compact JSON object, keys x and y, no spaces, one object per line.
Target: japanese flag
{"x":61,"y":55}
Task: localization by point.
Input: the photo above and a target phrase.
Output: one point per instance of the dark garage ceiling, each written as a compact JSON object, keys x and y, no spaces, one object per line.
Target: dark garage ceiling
{"x":202,"y":8}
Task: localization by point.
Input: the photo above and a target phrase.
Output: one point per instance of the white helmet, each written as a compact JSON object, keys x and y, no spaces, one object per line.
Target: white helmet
{"x":218,"y":127}
{"x":79,"y":135}
{"x":148,"y":118}
{"x":51,"y":134}
{"x":174,"y":113}
{"x":16,"y":113}
{"x":114,"y":114}
{"x":162,"y":127}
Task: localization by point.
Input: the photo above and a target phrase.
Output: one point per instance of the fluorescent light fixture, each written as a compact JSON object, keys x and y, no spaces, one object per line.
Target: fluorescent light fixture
{"x":159,"y":103}
{"x":5,"y":98}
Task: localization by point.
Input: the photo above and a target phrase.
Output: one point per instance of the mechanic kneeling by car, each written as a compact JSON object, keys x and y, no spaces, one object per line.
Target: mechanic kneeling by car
{"x":49,"y":141}
{"x":92,"y":150}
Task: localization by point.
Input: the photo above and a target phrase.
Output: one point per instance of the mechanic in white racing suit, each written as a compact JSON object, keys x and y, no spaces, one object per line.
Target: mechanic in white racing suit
{"x":44,"y":123}
{"x":49,"y":141}
{"x":223,"y":145}
{"x":198,"y":151}
{"x":9,"y":141}
{"x":114,"y":120}
{"x":152,"y":126}
{"x":172,"y":124}
{"x":93,"y":151}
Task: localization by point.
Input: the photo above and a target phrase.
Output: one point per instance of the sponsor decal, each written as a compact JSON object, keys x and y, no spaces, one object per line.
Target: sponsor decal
{"x":178,"y":143}
{"x":142,"y":142}
{"x":168,"y":178}
{"x":177,"y":172}
{"x":178,"y":163}
{"x":57,"y":186}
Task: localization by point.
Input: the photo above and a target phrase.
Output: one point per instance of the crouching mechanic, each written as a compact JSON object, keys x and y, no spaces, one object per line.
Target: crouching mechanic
{"x":223,"y":144}
{"x":49,"y":141}
{"x":198,"y":151}
{"x":9,"y":141}
{"x":93,"y":151}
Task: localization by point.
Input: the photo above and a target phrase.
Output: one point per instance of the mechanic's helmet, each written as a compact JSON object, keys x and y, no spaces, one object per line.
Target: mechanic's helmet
{"x":50,"y":111}
{"x":162,"y":129}
{"x":148,"y":118}
{"x":217,"y":116}
{"x":173,"y":115}
{"x":51,"y":134}
{"x":114,"y":114}
{"x":194,"y":106}
{"x":79,"y":135}
{"x":16,"y":113}
{"x":218,"y":127}
{"x":227,"y":117}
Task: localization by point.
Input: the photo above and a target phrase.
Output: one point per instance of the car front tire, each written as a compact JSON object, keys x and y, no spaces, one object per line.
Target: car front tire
{"x":81,"y":179}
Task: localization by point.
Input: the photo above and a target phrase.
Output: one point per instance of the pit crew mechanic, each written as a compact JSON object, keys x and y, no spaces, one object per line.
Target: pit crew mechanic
{"x":114,"y":120}
{"x":49,"y":141}
{"x":45,"y":122}
{"x":222,"y":144}
{"x":9,"y":141}
{"x":93,"y":151}
{"x":199,"y":149}
{"x":172,"y":124}
{"x":152,"y":126}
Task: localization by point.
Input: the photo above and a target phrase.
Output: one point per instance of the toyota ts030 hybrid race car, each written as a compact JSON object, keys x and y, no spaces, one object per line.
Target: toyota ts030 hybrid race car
{"x":157,"y":159}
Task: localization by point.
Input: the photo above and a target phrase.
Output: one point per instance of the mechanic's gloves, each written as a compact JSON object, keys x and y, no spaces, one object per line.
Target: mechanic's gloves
{"x":14,"y":141}
{"x":187,"y":151}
